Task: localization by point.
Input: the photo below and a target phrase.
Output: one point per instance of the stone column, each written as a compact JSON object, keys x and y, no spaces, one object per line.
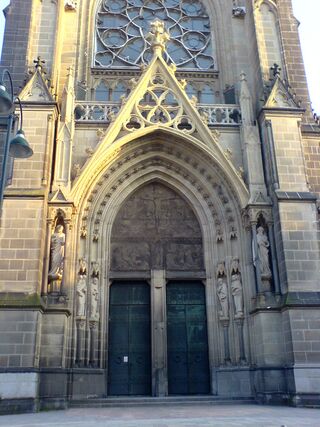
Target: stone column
{"x":93,"y":327}
{"x":80,"y":351}
{"x":159,"y":336}
{"x":242,"y":353}
{"x":225,"y":325}
{"x":274,"y":260}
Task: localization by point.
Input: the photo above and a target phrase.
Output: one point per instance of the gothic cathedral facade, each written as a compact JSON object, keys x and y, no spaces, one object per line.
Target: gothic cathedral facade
{"x":163,"y":239}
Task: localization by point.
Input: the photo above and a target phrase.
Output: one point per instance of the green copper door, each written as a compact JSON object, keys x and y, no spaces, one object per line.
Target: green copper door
{"x":129,"y":356}
{"x":188,"y":364}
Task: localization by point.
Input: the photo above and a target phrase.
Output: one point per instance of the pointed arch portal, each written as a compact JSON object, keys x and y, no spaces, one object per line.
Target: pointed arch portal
{"x":156,"y":230}
{"x":161,"y":204}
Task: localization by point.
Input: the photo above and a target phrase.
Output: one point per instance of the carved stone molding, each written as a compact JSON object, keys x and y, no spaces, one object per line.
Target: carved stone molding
{"x":169,"y":158}
{"x":251,"y":215}
{"x":65,"y":212}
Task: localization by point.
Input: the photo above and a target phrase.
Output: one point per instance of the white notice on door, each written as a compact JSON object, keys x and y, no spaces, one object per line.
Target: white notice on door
{"x":125,"y":359}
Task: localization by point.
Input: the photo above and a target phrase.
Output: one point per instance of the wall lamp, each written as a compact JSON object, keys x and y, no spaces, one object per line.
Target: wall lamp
{"x":18,"y":146}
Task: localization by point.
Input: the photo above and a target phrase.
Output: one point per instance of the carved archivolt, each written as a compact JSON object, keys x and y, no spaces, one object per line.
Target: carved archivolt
{"x":177,"y":162}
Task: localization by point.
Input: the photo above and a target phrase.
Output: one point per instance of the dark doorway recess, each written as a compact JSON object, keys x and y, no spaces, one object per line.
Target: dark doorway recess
{"x":129,"y":361}
{"x":188,"y":363}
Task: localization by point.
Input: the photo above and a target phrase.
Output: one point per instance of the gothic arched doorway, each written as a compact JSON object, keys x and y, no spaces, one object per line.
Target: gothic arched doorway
{"x":156,"y":239}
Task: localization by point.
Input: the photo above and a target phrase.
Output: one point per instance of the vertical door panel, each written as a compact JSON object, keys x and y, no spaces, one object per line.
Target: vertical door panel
{"x":177,"y":349}
{"x":188,"y":364}
{"x":129,"y":339}
{"x":118,"y":348}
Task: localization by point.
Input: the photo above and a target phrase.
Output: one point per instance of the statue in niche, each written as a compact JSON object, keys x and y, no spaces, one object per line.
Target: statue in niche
{"x":58,"y":241}
{"x":94,"y":299}
{"x":236,"y":288}
{"x":222,"y":291}
{"x":263,"y":252}
{"x":81,"y":291}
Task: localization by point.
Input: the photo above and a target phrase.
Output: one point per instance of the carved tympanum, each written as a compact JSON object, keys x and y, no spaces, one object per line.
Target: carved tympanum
{"x":155,"y":229}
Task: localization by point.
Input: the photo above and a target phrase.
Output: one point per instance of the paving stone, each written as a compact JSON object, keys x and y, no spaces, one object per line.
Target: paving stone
{"x":191,"y":415}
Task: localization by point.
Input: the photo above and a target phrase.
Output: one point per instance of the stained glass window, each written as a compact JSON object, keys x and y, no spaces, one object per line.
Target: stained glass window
{"x":122,"y":24}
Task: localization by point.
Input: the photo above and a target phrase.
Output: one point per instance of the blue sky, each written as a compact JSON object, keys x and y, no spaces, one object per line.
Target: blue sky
{"x":307,"y":12}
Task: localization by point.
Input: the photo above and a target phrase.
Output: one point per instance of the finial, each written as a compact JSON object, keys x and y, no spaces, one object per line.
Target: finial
{"x":39,"y":64}
{"x":275,"y":70}
{"x":158,"y":36}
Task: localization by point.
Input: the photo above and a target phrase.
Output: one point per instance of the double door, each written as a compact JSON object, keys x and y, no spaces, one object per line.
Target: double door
{"x":129,"y":359}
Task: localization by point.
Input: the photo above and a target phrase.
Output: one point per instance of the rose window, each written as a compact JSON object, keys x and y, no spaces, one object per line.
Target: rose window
{"x":122,"y":27}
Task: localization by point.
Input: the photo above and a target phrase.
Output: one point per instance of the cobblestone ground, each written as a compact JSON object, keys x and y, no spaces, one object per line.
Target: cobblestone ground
{"x":194,"y":415}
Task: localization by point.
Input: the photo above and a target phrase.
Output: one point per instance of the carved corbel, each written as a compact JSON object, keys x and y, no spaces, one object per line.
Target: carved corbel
{"x":83,"y":232}
{"x":70,"y":5}
{"x":95,"y":269}
{"x":95,"y":236}
{"x":233,"y":233}
{"x":219,"y":236}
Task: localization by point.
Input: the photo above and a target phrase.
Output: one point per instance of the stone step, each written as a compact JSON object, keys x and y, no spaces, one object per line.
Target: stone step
{"x":171,"y":400}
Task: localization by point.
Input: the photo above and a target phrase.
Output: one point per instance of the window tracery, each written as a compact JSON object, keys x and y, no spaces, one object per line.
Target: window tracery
{"x":121,"y":27}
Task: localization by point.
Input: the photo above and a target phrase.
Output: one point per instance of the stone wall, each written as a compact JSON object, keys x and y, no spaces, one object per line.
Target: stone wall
{"x":268,"y":36}
{"x":293,"y":55}
{"x":21,"y":245}
{"x":312,"y":155}
{"x":16,"y":40}
{"x":19,"y":336}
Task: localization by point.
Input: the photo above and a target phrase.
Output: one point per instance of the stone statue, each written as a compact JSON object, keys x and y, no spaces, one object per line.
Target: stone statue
{"x":263,"y":252}
{"x":58,"y":240}
{"x":94,"y":299}
{"x":222,"y":292}
{"x":81,"y":290}
{"x":236,"y":288}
